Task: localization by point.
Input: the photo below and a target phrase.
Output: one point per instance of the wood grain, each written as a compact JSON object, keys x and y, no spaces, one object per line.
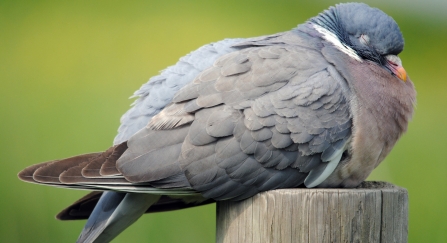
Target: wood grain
{"x":373,"y":212}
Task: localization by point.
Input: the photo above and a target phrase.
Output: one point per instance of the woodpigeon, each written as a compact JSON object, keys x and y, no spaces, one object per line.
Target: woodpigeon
{"x":318,"y":106}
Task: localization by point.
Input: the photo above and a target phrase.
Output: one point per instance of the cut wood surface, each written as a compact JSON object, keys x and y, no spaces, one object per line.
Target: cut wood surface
{"x":372,"y":212}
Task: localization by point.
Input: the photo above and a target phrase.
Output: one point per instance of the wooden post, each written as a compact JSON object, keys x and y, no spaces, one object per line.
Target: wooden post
{"x":373,"y":212}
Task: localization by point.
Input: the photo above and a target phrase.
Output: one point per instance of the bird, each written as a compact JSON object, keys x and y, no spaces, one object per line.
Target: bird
{"x":318,"y":106}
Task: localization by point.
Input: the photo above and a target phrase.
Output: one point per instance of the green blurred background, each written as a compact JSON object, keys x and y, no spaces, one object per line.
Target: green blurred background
{"x":67,"y":69}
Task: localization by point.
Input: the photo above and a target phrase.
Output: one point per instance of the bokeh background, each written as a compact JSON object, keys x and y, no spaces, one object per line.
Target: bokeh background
{"x":67,"y":69}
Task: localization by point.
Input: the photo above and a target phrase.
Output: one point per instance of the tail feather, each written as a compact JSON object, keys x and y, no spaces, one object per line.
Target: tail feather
{"x":82,"y":208}
{"x":113,"y":213}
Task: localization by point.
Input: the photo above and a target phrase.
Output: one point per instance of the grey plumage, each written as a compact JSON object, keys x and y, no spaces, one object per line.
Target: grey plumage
{"x":320,"y":105}
{"x":154,"y":95}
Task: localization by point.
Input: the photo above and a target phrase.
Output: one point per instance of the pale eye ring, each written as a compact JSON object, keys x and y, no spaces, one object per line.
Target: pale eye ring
{"x":364,"y":39}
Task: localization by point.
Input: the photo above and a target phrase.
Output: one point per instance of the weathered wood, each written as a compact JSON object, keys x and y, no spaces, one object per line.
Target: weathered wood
{"x":373,"y":212}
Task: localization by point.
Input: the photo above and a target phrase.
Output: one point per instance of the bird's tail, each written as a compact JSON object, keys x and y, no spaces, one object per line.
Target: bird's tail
{"x":113,"y":213}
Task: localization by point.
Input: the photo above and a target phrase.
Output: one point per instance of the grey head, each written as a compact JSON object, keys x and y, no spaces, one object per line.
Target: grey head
{"x":350,"y":21}
{"x":369,"y":31}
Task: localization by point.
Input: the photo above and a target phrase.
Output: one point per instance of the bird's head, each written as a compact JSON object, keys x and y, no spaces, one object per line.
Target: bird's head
{"x":364,"y":33}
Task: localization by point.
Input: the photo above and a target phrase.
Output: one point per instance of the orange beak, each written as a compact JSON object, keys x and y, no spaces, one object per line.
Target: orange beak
{"x":398,"y":70}
{"x":401,"y":73}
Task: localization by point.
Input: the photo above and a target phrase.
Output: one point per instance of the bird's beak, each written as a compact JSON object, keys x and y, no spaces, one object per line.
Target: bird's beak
{"x":401,"y":73}
{"x":394,"y":64}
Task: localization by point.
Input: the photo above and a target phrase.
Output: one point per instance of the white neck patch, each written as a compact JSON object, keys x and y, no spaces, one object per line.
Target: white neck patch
{"x":332,"y":38}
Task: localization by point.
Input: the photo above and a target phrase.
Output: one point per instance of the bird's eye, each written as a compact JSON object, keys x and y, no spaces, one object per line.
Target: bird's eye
{"x":393,"y":60}
{"x":364,"y":39}
{"x":392,"y":63}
